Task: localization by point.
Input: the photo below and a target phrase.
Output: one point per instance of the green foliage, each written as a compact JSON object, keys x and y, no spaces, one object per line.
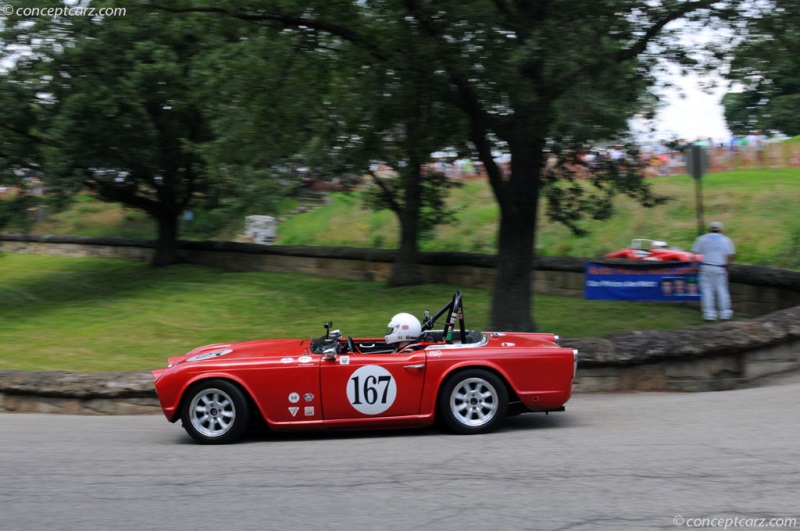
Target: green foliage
{"x":78,"y":314}
{"x":112,"y":108}
{"x":765,"y":69}
{"x":263,"y":91}
{"x":14,"y":212}
{"x":741,"y":112}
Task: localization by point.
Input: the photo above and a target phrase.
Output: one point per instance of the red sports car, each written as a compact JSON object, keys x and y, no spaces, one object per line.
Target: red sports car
{"x":414,"y":375}
{"x":644,"y":249}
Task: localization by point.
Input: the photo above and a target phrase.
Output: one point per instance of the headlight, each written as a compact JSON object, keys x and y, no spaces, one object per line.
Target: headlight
{"x":211,"y":354}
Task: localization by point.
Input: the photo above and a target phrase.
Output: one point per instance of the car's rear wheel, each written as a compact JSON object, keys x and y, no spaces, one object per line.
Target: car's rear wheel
{"x":473,"y":401}
{"x":215,"y":412}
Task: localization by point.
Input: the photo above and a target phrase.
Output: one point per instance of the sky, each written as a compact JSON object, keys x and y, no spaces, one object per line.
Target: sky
{"x":698,"y":115}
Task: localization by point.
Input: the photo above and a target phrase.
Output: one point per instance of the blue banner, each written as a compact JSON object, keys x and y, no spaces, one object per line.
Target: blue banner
{"x":648,"y":281}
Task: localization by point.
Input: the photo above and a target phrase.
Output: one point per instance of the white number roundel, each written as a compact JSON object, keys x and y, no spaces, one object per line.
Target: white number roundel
{"x":371,"y":390}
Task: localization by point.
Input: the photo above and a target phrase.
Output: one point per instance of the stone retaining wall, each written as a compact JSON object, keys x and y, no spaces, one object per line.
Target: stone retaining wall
{"x":97,"y":393}
{"x":710,"y":357}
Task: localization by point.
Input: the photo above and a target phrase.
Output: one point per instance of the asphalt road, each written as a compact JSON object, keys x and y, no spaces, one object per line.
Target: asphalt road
{"x":611,"y":461}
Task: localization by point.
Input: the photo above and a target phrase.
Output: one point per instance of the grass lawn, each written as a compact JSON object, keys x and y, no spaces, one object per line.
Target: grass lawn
{"x":79,"y":314}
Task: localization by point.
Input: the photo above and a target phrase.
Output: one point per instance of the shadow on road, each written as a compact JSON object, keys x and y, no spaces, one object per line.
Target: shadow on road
{"x":259,"y":433}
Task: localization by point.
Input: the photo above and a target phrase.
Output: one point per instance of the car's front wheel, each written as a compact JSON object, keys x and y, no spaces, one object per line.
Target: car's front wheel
{"x":473,"y":401}
{"x":215,"y":412}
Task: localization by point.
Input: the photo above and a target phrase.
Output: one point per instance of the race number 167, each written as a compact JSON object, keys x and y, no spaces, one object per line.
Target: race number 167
{"x":372,"y":388}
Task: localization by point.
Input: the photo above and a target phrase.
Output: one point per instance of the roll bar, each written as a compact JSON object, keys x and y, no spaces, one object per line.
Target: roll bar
{"x":455,"y":310}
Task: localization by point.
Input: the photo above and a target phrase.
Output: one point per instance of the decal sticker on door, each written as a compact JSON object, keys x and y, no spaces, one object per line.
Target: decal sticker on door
{"x":371,"y":390}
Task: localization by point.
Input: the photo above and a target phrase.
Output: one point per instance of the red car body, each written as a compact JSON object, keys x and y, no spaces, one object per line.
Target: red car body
{"x":644,"y":249}
{"x":343,"y":383}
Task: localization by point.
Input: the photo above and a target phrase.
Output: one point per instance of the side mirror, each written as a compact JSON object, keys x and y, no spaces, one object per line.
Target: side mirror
{"x":329,"y":354}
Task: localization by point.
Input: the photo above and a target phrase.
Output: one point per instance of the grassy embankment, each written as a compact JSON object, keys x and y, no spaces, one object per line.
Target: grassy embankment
{"x":758,"y":208}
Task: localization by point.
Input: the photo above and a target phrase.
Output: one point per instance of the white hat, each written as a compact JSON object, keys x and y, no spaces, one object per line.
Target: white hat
{"x":715,"y":226}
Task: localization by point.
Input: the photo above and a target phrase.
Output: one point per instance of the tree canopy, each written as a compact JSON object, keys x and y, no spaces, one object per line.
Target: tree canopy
{"x":113,"y":108}
{"x":766,"y":73}
{"x":136,"y":108}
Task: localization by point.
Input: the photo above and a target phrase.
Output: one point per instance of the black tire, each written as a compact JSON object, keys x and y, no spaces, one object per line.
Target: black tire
{"x":215,"y":412}
{"x":473,"y":401}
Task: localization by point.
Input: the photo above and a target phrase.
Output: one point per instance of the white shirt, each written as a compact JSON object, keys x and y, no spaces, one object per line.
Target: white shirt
{"x":714,"y":247}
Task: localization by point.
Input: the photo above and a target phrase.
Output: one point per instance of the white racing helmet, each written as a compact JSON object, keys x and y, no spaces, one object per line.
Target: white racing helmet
{"x":403,"y":327}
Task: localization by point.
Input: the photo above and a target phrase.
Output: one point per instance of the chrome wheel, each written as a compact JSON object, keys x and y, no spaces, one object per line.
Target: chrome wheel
{"x":474,"y":402}
{"x":212,"y":412}
{"x":215,"y":412}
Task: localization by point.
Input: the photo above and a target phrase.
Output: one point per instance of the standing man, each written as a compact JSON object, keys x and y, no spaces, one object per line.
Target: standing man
{"x":718,"y":253}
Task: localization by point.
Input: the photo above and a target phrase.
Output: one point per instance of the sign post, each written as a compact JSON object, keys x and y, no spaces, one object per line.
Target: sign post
{"x":696,"y":166}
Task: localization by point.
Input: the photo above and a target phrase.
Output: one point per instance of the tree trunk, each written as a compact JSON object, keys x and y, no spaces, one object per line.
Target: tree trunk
{"x":513,"y":285}
{"x":167,"y":244}
{"x":511,"y":298}
{"x":406,"y":269}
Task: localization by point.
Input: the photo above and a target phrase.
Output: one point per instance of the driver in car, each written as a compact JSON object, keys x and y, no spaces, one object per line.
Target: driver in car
{"x":404,"y":329}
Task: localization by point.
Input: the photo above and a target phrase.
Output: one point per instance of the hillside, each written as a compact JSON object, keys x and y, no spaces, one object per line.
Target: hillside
{"x":758,"y":208}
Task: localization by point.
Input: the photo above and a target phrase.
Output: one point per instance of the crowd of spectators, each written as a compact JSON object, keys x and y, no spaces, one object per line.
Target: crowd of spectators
{"x":740,"y":151}
{"x":663,"y":158}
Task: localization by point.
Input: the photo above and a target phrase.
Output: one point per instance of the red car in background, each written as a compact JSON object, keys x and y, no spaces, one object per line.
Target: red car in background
{"x":644,"y":249}
{"x":470,"y":380}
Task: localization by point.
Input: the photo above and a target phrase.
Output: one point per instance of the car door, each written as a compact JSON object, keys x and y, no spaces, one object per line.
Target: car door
{"x":361,"y":386}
